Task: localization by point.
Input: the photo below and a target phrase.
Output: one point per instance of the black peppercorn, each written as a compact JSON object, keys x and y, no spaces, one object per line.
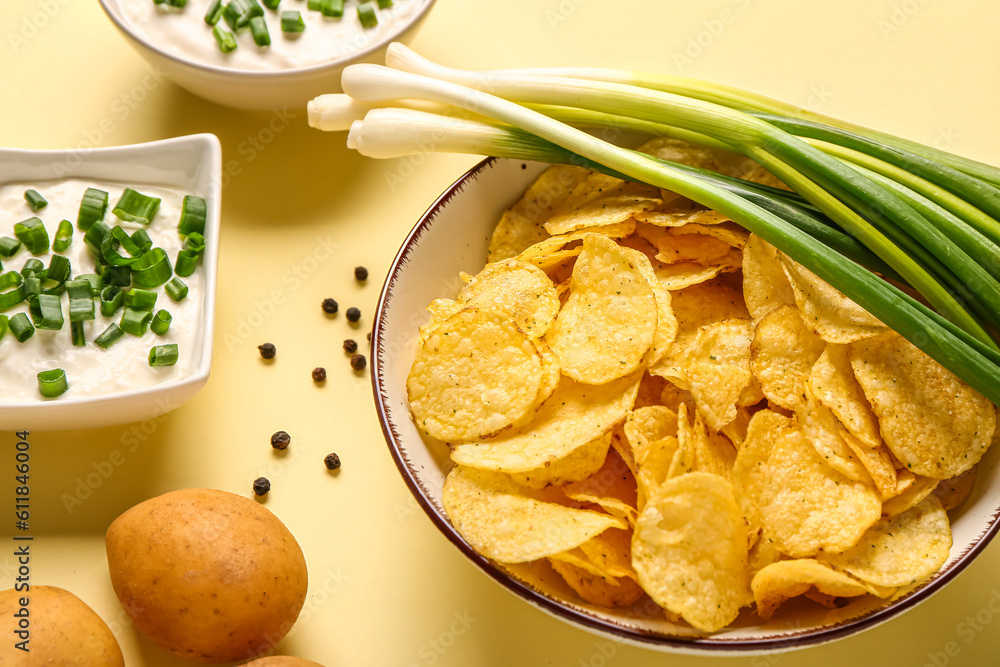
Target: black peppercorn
{"x":350,"y":345}
{"x":330,"y":306}
{"x":358,"y":362}
{"x":281,"y":440}
{"x":332,"y":461}
{"x":319,"y":374}
{"x":267,"y":350}
{"x":261,"y":486}
{"x":353,"y":314}
{"x":360,"y":273}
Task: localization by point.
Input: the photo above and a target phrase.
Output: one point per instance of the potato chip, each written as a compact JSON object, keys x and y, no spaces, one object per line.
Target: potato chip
{"x":599,"y":590}
{"x":613,"y":488}
{"x":712,"y":453}
{"x":697,"y":248}
{"x":953,"y":492}
{"x":830,"y":314}
{"x":572,"y":417}
{"x":666,"y":324}
{"x":900,"y":550}
{"x":765,"y":286}
{"x":475,"y":375}
{"x":577,"y":559}
{"x":782,"y":354}
{"x":502,"y":521}
{"x":736,"y":430}
{"x":728,"y":232}
{"x":934,"y":423}
{"x":696,"y":155}
{"x":785,"y":488}
{"x":833,"y":382}
{"x":519,"y":289}
{"x":680,"y":218}
{"x":608,"y":323}
{"x":787,"y":579}
{"x":521,"y":226}
{"x":440,"y":310}
{"x":823,"y":431}
{"x":712,"y":301}
{"x":878,"y":463}
{"x":689,"y":549}
{"x":611,"y":551}
{"x":909,"y":493}
{"x":685,"y":274}
{"x":579,"y":464}
{"x":601,"y":200}
{"x":652,"y":436}
{"x":543,"y":253}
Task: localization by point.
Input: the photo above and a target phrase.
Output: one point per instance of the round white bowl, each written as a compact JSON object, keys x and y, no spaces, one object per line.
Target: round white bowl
{"x":452,"y":236}
{"x":192,"y":164}
{"x":259,"y":90}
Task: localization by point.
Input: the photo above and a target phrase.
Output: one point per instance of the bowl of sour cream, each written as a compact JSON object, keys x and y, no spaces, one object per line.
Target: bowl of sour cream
{"x":246,"y":54}
{"x":139,"y":344}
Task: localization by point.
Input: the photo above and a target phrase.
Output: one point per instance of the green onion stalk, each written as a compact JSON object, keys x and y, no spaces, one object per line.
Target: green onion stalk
{"x":954,"y":338}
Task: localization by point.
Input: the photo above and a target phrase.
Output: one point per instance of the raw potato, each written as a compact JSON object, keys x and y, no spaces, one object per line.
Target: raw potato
{"x":282,"y":661}
{"x":208,"y":575}
{"x":63,"y":631}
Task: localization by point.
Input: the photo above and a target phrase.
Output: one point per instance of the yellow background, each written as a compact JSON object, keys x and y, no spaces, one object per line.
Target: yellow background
{"x":386,"y":588}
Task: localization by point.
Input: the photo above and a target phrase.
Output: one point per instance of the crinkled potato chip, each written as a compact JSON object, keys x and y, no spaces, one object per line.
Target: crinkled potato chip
{"x":580,"y":464}
{"x":712,"y":301}
{"x":900,"y":550}
{"x":652,"y":436}
{"x":712,"y":453}
{"x":521,"y":226}
{"x":666,"y":324}
{"x":787,"y":579}
{"x":440,"y":310}
{"x":953,"y":492}
{"x":685,"y":274}
{"x":834,"y":384}
{"x":830,"y":314}
{"x":476,"y":374}
{"x":601,"y":200}
{"x":611,"y":551}
{"x":572,"y":417}
{"x":782,"y":354}
{"x":785,"y":488}
{"x":599,"y":590}
{"x":695,"y":248}
{"x":728,"y":232}
{"x":545,"y":253}
{"x":823,"y":431}
{"x":765,"y":286}
{"x":690,"y":550}
{"x":502,"y":521}
{"x":613,"y":488}
{"x":910,"y":493}
{"x":519,"y":289}
{"x":934,"y":423}
{"x":878,"y":463}
{"x":608,"y":323}
{"x":681,"y":218}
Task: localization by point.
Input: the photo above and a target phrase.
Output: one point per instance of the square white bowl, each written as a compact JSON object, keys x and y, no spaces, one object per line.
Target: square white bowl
{"x":192,"y":163}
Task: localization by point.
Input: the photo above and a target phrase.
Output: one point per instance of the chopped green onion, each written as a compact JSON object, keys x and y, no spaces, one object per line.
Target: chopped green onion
{"x":9,"y":246}
{"x":291,"y":22}
{"x":52,"y":383}
{"x":95,"y":282}
{"x":314,"y":5}
{"x":120,"y":276}
{"x":224,"y":38}
{"x":233,"y":11}
{"x":64,"y":236}
{"x":32,"y":234}
{"x":271,"y":4}
{"x":35,"y":200}
{"x":152,"y":269}
{"x":112,"y":298}
{"x":93,"y":207}
{"x":78,"y":333}
{"x":111,"y":256}
{"x":4,"y":324}
{"x":159,"y":325}
{"x":59,"y":269}
{"x":179,"y":4}
{"x":140,"y":299}
{"x":95,"y":235}
{"x":187,"y":262}
{"x":163,"y":355}
{"x":384,"y":4}
{"x":140,"y":238}
{"x":46,"y":312}
{"x":109,"y":336}
{"x":332,"y":8}
{"x":195,"y":242}
{"x":194,"y":210}
{"x":253,"y":9}
{"x":21,"y":327}
{"x":135,"y":322}
{"x":33,"y":265}
{"x":176,"y":289}
{"x":81,"y":301}
{"x":214,"y":12}
{"x":11,"y":289}
{"x":366,"y":14}
{"x":258,"y":29}
{"x":32,"y":285}
{"x":136,"y":207}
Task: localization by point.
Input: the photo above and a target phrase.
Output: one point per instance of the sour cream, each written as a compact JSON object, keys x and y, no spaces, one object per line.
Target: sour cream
{"x":91,"y":370}
{"x":184,"y":33}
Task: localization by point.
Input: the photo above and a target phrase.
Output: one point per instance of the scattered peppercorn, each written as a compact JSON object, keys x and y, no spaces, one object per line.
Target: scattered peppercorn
{"x":332,"y":461}
{"x":360,"y":273}
{"x":330,"y":306}
{"x":350,"y":345}
{"x":261,"y":486}
{"x":319,"y":374}
{"x":358,"y":362}
{"x":267,"y":350}
{"x":280,"y":440}
{"x":353,"y":314}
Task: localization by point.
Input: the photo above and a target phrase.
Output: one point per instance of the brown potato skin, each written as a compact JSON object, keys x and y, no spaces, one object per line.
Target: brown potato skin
{"x":282,"y":661}
{"x":208,"y":575}
{"x":63,"y":631}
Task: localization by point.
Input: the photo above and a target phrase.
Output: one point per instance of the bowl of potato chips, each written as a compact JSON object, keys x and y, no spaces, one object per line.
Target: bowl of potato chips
{"x":640,"y":418}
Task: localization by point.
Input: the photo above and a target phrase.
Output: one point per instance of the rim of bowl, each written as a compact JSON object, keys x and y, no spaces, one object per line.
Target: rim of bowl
{"x":343,"y":61}
{"x":581,"y":617}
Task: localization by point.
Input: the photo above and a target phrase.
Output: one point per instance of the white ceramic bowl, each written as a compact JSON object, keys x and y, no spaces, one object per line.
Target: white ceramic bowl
{"x":257,"y":89}
{"x":452,"y":236}
{"x":192,"y":164}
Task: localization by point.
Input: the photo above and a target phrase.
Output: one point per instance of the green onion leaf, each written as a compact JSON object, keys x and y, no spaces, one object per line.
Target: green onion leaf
{"x":163,"y":355}
{"x":77,"y":333}
{"x":46,"y":312}
{"x":291,"y":22}
{"x":21,"y":327}
{"x":135,"y":322}
{"x":112,"y":298}
{"x":366,"y":14}
{"x":81,"y":301}
{"x":176,"y":289}
{"x":92,"y":208}
{"x":32,"y":234}
{"x":9,"y":246}
{"x":35,"y":200}
{"x":214,"y":12}
{"x":258,"y":30}
{"x":11,"y":289}
{"x":140,"y":299}
{"x":194,"y":210}
{"x":151,"y":269}
{"x":136,"y":207}
{"x":109,"y":336}
{"x":161,"y":322}
{"x":64,"y":236}
{"x":52,"y":383}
